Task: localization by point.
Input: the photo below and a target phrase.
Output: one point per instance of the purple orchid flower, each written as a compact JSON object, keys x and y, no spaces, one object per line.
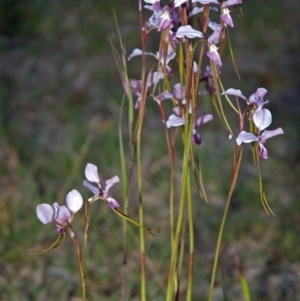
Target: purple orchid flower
{"x":93,"y":183}
{"x":245,"y":137}
{"x":214,"y":55}
{"x":226,"y":18}
{"x":262,"y":118}
{"x":61,"y":216}
{"x":177,"y":121}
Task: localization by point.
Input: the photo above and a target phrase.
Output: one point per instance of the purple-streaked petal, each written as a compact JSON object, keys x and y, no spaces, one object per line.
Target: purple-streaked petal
{"x":189,"y":32}
{"x":63,"y":214}
{"x":215,"y":37}
{"x":93,"y":187}
{"x":110,"y":182}
{"x":263,"y":152}
{"x":177,"y":111}
{"x":112,"y":203}
{"x":203,"y":119}
{"x":213,"y":55}
{"x":74,"y":200}
{"x":262,"y":118}
{"x":231,"y":2}
{"x":44,"y":213}
{"x":234,"y":92}
{"x":226,"y":18}
{"x":91,"y":173}
{"x":269,"y":134}
{"x":245,"y":137}
{"x":257,"y":97}
{"x":175,"y":121}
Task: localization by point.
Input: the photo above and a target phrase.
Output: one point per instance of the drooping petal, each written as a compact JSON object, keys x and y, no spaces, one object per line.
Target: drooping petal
{"x":245,"y":137}
{"x":269,"y":134}
{"x":189,"y":32}
{"x":203,"y":119}
{"x":91,"y":173}
{"x":44,"y":213}
{"x":263,"y":152}
{"x":234,"y":92}
{"x":137,"y":52}
{"x":63,"y":214}
{"x":262,"y":118}
{"x":175,"y":121}
{"x":112,"y":203}
{"x":110,"y":182}
{"x":74,"y":200}
{"x":196,"y":138}
{"x":93,"y":187}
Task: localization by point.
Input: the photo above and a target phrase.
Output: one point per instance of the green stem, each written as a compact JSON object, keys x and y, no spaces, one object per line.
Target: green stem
{"x":191,"y":241}
{"x":236,"y":166}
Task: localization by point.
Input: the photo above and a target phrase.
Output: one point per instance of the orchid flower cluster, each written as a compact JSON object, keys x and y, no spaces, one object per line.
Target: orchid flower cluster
{"x":179,"y":42}
{"x":62,"y":216}
{"x":262,"y":118}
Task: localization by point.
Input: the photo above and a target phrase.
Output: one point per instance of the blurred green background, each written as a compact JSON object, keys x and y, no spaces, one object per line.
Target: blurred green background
{"x":60,"y":101}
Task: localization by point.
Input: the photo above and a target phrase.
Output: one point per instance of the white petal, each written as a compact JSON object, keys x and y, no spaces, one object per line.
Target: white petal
{"x":91,"y":173}
{"x":262,"y":118}
{"x":74,"y":200}
{"x":44,"y":213}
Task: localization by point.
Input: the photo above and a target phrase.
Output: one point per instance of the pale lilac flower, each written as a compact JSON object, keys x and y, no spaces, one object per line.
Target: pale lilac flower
{"x":262,"y":118}
{"x":93,"y":183}
{"x":177,"y":121}
{"x":199,"y":122}
{"x":226,"y":18}
{"x":215,"y":37}
{"x":165,"y":21}
{"x":188,"y":32}
{"x":245,"y":137}
{"x":214,"y":55}
{"x":256,"y":98}
{"x":61,"y":216}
